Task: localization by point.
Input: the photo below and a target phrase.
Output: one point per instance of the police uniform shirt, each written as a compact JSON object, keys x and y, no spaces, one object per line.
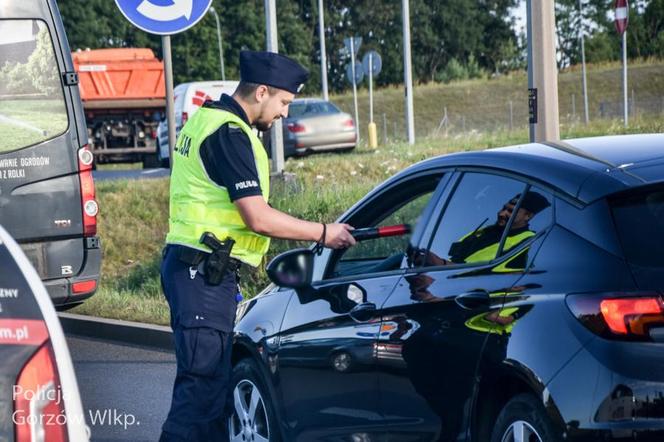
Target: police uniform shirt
{"x":227,"y":155}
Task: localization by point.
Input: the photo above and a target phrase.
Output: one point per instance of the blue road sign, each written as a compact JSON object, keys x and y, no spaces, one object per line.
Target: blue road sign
{"x":163,"y":17}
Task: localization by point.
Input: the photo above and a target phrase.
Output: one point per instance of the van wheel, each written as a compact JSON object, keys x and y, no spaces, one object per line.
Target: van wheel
{"x":253,"y":417}
{"x":523,"y":419}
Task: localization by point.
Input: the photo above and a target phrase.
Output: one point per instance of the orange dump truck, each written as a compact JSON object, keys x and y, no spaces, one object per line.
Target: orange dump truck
{"x":124,"y":99}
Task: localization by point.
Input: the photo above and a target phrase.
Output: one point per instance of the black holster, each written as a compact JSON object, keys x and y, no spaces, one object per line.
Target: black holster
{"x":216,"y":264}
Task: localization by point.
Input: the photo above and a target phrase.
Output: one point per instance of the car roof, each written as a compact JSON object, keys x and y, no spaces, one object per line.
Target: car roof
{"x":585,"y":169}
{"x":308,"y":100}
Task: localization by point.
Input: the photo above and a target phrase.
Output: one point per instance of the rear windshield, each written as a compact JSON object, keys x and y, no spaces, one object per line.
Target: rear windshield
{"x":311,"y":109}
{"x":32,"y":105}
{"x":639,"y":219}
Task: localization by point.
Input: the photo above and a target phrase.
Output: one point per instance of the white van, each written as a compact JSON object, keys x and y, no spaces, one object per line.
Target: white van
{"x":188,"y":98}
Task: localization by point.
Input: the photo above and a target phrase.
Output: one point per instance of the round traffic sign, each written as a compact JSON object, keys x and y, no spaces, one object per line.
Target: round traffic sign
{"x":621,"y":8}
{"x":163,"y":17}
{"x":376,"y":63}
{"x":359,"y":72}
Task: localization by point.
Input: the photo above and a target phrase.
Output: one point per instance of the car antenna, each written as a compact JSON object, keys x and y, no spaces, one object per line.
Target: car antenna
{"x":566,"y":147}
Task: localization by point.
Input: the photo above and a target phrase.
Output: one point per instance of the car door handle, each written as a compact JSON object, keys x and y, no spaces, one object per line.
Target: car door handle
{"x":473,"y":299}
{"x":363,"y":312}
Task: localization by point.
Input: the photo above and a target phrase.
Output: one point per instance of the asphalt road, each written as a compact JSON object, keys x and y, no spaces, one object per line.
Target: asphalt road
{"x":133,"y":174}
{"x":126,"y":390}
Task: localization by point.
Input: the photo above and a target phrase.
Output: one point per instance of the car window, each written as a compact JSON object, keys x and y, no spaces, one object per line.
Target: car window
{"x":404,"y":205}
{"x":311,"y":109}
{"x":32,"y":106}
{"x":473,"y":226}
{"x":639,"y":220}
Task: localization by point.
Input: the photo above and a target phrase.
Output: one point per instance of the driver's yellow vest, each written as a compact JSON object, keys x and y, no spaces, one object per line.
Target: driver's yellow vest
{"x":198,"y":204}
{"x":489,"y":252}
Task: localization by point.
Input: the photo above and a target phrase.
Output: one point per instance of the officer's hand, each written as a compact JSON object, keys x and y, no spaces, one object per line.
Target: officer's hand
{"x":338,"y":236}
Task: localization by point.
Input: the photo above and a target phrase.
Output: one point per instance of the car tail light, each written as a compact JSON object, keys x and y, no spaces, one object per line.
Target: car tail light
{"x":349,"y":123}
{"x":296,"y":128}
{"x":185,"y":117}
{"x":88,"y":202}
{"x":39,"y":413}
{"x":626,"y":316}
{"x":82,"y":287}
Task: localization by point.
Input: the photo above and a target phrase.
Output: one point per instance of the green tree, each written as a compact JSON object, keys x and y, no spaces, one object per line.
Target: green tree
{"x":41,"y":67}
{"x":471,"y":32}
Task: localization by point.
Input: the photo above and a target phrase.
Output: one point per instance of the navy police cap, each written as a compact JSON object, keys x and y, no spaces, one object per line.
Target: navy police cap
{"x":272,"y":69}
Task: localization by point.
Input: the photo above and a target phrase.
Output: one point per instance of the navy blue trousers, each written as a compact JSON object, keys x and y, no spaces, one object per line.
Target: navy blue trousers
{"x":202,"y":319}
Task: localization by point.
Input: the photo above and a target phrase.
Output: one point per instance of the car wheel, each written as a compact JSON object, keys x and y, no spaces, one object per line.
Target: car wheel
{"x":253,"y":418}
{"x":342,"y":361}
{"x":523,"y":419}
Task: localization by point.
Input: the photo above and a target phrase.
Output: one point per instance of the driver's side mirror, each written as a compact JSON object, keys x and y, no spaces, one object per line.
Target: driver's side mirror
{"x":292,"y":269}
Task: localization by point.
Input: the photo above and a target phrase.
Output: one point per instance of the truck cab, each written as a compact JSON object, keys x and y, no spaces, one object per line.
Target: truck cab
{"x":47,"y":194}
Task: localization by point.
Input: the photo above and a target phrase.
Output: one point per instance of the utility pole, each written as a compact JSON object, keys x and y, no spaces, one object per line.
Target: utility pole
{"x":532,"y":92}
{"x":276,"y":135}
{"x":624,"y":77}
{"x":170,"y":110}
{"x":407,"y":74}
{"x":583,"y":65}
{"x":545,"y":71}
{"x":323,"y":56}
{"x":621,"y":10}
{"x":352,"y":70}
{"x":221,"y":51}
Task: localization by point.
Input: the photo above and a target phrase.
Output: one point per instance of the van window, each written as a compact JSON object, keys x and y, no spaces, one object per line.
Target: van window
{"x":32,"y":106}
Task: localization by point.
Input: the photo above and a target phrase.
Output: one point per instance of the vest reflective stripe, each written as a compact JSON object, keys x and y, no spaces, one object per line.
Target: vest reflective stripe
{"x":502,"y":267}
{"x":489,"y":252}
{"x":198,"y":204}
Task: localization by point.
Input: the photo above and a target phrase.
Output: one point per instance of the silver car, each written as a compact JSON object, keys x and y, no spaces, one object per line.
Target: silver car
{"x":317,"y":125}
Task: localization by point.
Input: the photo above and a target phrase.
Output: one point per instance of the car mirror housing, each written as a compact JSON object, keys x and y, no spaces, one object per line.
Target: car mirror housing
{"x":292,"y":269}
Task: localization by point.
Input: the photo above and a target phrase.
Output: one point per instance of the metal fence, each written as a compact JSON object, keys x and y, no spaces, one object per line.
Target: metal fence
{"x":511,"y":115}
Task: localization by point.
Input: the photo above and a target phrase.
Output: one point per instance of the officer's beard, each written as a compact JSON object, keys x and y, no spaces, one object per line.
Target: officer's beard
{"x":263,"y":126}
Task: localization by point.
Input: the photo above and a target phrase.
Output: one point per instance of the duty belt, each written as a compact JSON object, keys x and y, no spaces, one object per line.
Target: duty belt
{"x":194,"y":257}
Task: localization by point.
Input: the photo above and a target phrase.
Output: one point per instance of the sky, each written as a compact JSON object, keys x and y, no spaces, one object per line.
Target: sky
{"x":520,"y":14}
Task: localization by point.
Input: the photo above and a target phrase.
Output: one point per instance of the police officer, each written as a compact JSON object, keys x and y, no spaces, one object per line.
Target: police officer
{"x":220,"y":184}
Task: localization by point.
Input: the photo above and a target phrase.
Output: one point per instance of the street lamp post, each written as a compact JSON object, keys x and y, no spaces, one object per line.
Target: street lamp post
{"x":221,"y":52}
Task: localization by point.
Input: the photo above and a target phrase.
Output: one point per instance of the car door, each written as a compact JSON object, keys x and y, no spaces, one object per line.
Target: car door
{"x":326,"y":355}
{"x":436,"y":322}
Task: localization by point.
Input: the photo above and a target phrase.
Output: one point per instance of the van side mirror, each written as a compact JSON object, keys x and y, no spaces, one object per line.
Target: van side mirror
{"x":292,"y":269}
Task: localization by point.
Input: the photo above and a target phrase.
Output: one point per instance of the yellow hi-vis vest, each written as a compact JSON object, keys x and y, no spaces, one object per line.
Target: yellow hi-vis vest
{"x":489,"y":252}
{"x":198,"y":204}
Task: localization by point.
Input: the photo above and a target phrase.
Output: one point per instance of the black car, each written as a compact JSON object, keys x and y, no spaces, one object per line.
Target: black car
{"x":524,"y":303}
